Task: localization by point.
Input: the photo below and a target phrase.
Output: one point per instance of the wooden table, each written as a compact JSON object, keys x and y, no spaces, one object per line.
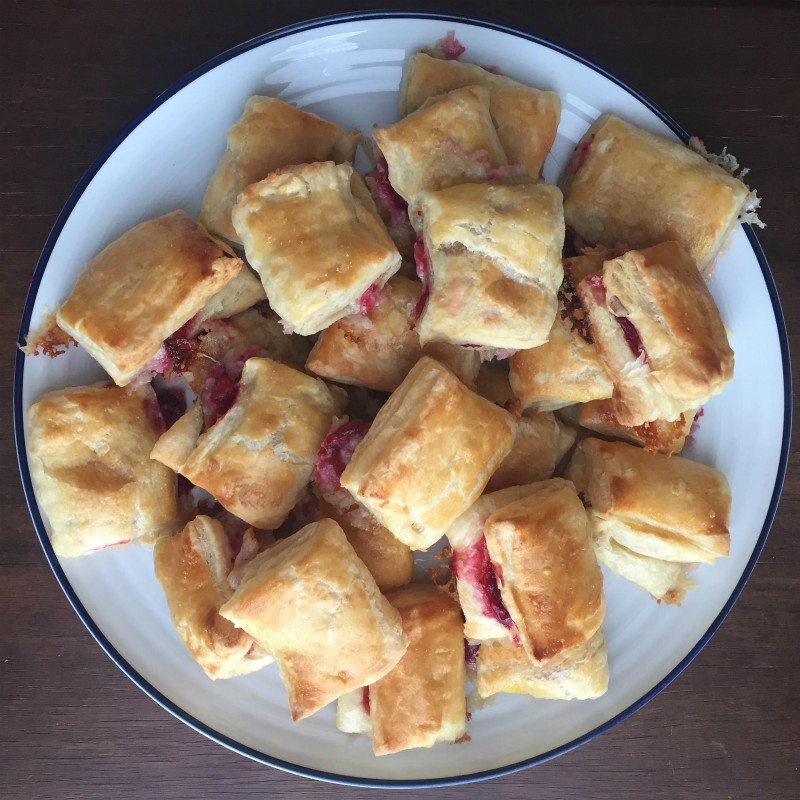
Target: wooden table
{"x":71,"y":75}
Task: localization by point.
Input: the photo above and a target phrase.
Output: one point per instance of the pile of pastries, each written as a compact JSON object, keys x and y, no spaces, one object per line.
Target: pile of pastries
{"x":397,"y":362}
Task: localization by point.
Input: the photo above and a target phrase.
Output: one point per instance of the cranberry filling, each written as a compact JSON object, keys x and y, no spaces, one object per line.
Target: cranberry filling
{"x":335,"y":453}
{"x":365,"y":699}
{"x":473,"y":565}
{"x":632,"y":336}
{"x":222,"y":385}
{"x":387,"y":196}
{"x":154,"y":414}
{"x":110,"y":544}
{"x":471,"y":653}
{"x":451,"y":47}
{"x":371,"y":298}
{"x":171,"y":402}
{"x":579,"y":155}
{"x":423,"y":273}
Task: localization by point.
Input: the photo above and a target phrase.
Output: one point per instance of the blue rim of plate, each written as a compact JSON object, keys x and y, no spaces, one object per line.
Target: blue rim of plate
{"x":145,"y":686}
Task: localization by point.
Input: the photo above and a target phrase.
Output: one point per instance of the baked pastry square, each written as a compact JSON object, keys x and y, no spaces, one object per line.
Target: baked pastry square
{"x":625,"y":184}
{"x":668,"y":508}
{"x":449,"y":140}
{"x":486,"y":616}
{"x":317,"y":246}
{"x":422,"y":700}
{"x":428,"y":455}
{"x":312,"y":603}
{"x":89,"y":456}
{"x":658,"y":332}
{"x":540,"y":443}
{"x":258,"y":457}
{"x":141,"y":289}
{"x":192,"y":567}
{"x":578,"y":673}
{"x":269,"y":135}
{"x":526,"y":119}
{"x":547,"y":571}
{"x":494,"y":253}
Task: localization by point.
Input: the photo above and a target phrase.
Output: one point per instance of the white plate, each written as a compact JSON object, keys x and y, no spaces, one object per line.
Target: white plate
{"x":347,"y":69}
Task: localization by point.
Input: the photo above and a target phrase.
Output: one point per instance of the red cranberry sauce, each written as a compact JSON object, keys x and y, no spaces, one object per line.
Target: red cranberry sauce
{"x":387,"y":196}
{"x":222,"y":385}
{"x":171,"y":402}
{"x":632,"y":337}
{"x":335,"y":453}
{"x":365,"y":699}
{"x":423,"y":273}
{"x":372,"y":297}
{"x":579,"y":155}
{"x":473,"y":565}
{"x":451,"y":47}
{"x":471,"y":653}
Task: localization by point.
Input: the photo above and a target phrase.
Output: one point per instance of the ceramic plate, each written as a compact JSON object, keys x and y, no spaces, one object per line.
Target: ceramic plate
{"x":347,"y":69}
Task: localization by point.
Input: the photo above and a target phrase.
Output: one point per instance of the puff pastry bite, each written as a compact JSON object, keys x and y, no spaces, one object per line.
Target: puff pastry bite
{"x":526,"y":118}
{"x":192,"y":567}
{"x":658,"y":436}
{"x":88,"y":452}
{"x":485,"y":614}
{"x":540,"y":443}
{"x":269,"y":135}
{"x":257,"y":458}
{"x":388,"y":559}
{"x":378,"y":349}
{"x":624,"y":184}
{"x":449,"y":140}
{"x":494,"y":257}
{"x":321,"y":251}
{"x":658,"y":333}
{"x":578,"y":673}
{"x":141,"y":289}
{"x":422,"y":700}
{"x":667,"y":508}
{"x":312,"y":603}
{"x":547,"y":571}
{"x":665,"y":581}
{"x":428,"y":455}
{"x":375,"y":350}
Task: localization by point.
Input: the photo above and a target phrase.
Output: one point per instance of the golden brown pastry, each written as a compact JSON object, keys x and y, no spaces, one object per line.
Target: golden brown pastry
{"x":624,"y":184}
{"x":666,"y":581}
{"x":269,"y":135}
{"x":539,"y":445}
{"x":376,"y":350}
{"x":428,"y":455}
{"x":578,"y":673}
{"x":258,"y":457}
{"x":658,"y":333}
{"x":312,"y":603}
{"x":238,"y":295}
{"x":321,"y":251}
{"x":657,"y":436}
{"x":494,"y":258}
{"x":476,"y":580}
{"x":566,"y":369}
{"x":422,"y":700}
{"x":141,"y":289}
{"x":449,"y":140}
{"x":668,"y":508}
{"x":88,"y":452}
{"x":526,"y":119}
{"x":192,"y":567}
{"x":547,"y":571}
{"x":388,"y":559}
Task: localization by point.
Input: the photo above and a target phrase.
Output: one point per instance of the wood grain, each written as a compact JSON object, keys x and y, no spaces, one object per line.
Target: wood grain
{"x":72,"y":74}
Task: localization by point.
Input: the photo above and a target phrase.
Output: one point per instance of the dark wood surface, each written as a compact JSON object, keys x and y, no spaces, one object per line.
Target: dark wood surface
{"x":71,"y":724}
